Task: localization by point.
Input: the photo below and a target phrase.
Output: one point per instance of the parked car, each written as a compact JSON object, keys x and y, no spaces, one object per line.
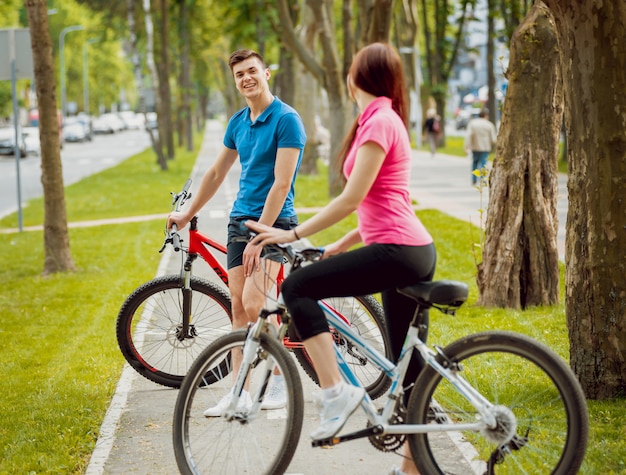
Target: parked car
{"x":74,"y":132}
{"x":32,"y":142}
{"x":151,"y":120}
{"x":131,"y":120}
{"x":77,"y":129}
{"x":107,"y":124}
{"x":7,"y":141}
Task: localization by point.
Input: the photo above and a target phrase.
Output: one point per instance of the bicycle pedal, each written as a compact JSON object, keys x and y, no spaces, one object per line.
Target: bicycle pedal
{"x":325,"y":442}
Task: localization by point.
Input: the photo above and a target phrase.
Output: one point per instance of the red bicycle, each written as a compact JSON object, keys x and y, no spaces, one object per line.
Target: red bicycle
{"x":165,"y":323}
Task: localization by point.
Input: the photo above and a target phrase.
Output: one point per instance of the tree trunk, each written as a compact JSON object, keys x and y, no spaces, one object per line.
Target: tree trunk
{"x":380,"y":25}
{"x":57,"y":255}
{"x":307,"y":103}
{"x":165,"y":121}
{"x":185,"y":75}
{"x":594,"y":73}
{"x":156,"y":142}
{"x":520,"y":257}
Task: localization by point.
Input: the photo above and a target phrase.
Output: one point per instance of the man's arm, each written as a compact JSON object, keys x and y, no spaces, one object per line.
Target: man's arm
{"x":209,"y":185}
{"x":284,"y":171}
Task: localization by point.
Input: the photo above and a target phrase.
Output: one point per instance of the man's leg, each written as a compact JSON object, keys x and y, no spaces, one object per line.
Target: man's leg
{"x":475,"y":162}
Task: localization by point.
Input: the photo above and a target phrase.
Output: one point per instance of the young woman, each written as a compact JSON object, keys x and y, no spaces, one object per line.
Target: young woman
{"x":398,"y":250}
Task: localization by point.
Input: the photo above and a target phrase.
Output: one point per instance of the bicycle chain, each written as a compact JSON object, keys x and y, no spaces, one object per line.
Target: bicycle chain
{"x":390,"y":442}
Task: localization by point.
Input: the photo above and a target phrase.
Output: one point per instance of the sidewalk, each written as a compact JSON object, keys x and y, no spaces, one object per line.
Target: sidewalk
{"x":444,"y":183}
{"x":135,"y":437}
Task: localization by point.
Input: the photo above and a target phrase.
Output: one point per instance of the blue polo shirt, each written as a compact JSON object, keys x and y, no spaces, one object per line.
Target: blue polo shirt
{"x":279,"y":126}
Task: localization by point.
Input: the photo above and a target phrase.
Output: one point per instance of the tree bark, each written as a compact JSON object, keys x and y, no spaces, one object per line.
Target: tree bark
{"x":519,"y":265}
{"x":58,"y":257}
{"x":593,"y":57}
{"x":163,"y":68}
{"x":185,"y":75}
{"x":156,"y":142}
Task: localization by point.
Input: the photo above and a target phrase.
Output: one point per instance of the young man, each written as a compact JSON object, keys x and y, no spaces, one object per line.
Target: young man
{"x":481,"y":137}
{"x":268,"y":137}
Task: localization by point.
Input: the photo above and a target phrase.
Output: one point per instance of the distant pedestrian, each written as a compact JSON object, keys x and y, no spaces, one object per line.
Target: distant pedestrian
{"x":480,"y":140}
{"x":431,"y":130}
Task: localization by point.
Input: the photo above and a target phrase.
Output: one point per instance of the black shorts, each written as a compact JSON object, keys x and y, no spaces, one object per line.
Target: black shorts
{"x":237,"y":230}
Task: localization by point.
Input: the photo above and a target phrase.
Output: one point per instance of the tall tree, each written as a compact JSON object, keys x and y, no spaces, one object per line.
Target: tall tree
{"x":58,"y":257}
{"x":163,"y":69}
{"x":147,"y":12}
{"x":593,"y":59}
{"x":442,"y":39}
{"x":520,"y":262}
{"x":185,"y":74}
{"x":328,"y":72}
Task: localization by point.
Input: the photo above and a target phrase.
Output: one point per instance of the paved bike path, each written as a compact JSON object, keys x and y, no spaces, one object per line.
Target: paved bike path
{"x":136,"y":435}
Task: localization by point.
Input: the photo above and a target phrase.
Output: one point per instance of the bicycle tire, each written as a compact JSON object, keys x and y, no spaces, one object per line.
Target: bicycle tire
{"x":366,"y":317}
{"x":151,"y":317}
{"x":520,"y":375}
{"x":262,"y":442}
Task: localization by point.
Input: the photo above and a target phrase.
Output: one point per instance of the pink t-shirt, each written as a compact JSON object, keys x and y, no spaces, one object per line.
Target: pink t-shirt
{"x":386,"y":215}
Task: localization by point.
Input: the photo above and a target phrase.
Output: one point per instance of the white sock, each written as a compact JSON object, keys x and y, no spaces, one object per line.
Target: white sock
{"x":333,"y":391}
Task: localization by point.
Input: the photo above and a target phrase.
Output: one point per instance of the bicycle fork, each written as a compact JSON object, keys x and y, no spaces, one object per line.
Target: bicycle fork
{"x":187,"y":329}
{"x":252,"y":355}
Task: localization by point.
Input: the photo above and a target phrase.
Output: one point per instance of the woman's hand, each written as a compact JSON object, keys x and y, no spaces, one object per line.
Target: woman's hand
{"x":332,"y":250}
{"x":269,"y":235}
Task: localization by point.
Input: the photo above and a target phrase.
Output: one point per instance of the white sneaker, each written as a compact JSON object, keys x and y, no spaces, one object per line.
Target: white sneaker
{"x":245,"y":403}
{"x":335,"y":411}
{"x":396,"y":471}
{"x":275,"y":397}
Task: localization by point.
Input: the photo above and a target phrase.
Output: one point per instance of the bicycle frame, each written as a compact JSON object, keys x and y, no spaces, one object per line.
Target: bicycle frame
{"x":200,"y":245}
{"x":396,"y":373}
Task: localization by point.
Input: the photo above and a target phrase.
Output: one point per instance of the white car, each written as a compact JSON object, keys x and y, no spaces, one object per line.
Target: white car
{"x":107,"y":124}
{"x":32,"y":142}
{"x":74,"y":132}
{"x":131,"y":120}
{"x":7,"y":141}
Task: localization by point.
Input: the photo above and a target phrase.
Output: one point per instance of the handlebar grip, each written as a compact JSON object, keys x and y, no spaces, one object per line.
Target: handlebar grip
{"x":175,"y":238}
{"x":187,"y":185}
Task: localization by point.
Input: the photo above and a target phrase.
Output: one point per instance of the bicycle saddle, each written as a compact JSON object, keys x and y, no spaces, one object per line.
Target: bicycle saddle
{"x":439,"y":292}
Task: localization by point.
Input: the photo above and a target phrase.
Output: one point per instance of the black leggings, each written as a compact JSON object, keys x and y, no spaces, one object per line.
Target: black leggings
{"x":368,"y":270}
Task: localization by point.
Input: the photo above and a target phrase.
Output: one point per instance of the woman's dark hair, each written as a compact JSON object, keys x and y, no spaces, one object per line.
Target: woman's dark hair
{"x":377,"y":70}
{"x":243,"y":54}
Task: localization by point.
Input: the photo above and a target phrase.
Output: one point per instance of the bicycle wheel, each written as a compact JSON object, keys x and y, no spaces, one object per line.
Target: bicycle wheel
{"x":540,"y":409}
{"x":253,"y":442}
{"x":367,"y":318}
{"x":149,"y":326}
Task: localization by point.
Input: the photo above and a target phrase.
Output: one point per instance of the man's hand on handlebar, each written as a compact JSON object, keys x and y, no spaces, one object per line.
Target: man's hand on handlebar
{"x":179,"y":218}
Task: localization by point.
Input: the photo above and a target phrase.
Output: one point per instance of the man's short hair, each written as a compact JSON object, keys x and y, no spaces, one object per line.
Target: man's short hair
{"x":483,"y":113}
{"x":240,"y":55}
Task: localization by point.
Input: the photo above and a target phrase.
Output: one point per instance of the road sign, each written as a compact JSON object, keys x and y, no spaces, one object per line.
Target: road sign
{"x":15,"y":44}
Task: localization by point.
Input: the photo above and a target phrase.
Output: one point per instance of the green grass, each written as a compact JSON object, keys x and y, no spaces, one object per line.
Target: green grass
{"x":60,"y":358}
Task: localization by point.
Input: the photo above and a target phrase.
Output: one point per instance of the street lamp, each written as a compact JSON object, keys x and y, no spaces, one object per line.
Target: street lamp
{"x":86,"y":75}
{"x":414,"y":51}
{"x":64,"y":32}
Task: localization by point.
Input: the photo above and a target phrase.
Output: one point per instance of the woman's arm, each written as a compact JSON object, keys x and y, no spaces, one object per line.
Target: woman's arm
{"x":370,"y":157}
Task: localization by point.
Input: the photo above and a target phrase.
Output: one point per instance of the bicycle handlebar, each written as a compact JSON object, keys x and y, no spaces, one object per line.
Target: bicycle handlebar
{"x":297,"y":256}
{"x":171,"y":235}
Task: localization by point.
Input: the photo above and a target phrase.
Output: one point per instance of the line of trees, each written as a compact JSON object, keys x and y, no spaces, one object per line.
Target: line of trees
{"x":562,"y":64}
